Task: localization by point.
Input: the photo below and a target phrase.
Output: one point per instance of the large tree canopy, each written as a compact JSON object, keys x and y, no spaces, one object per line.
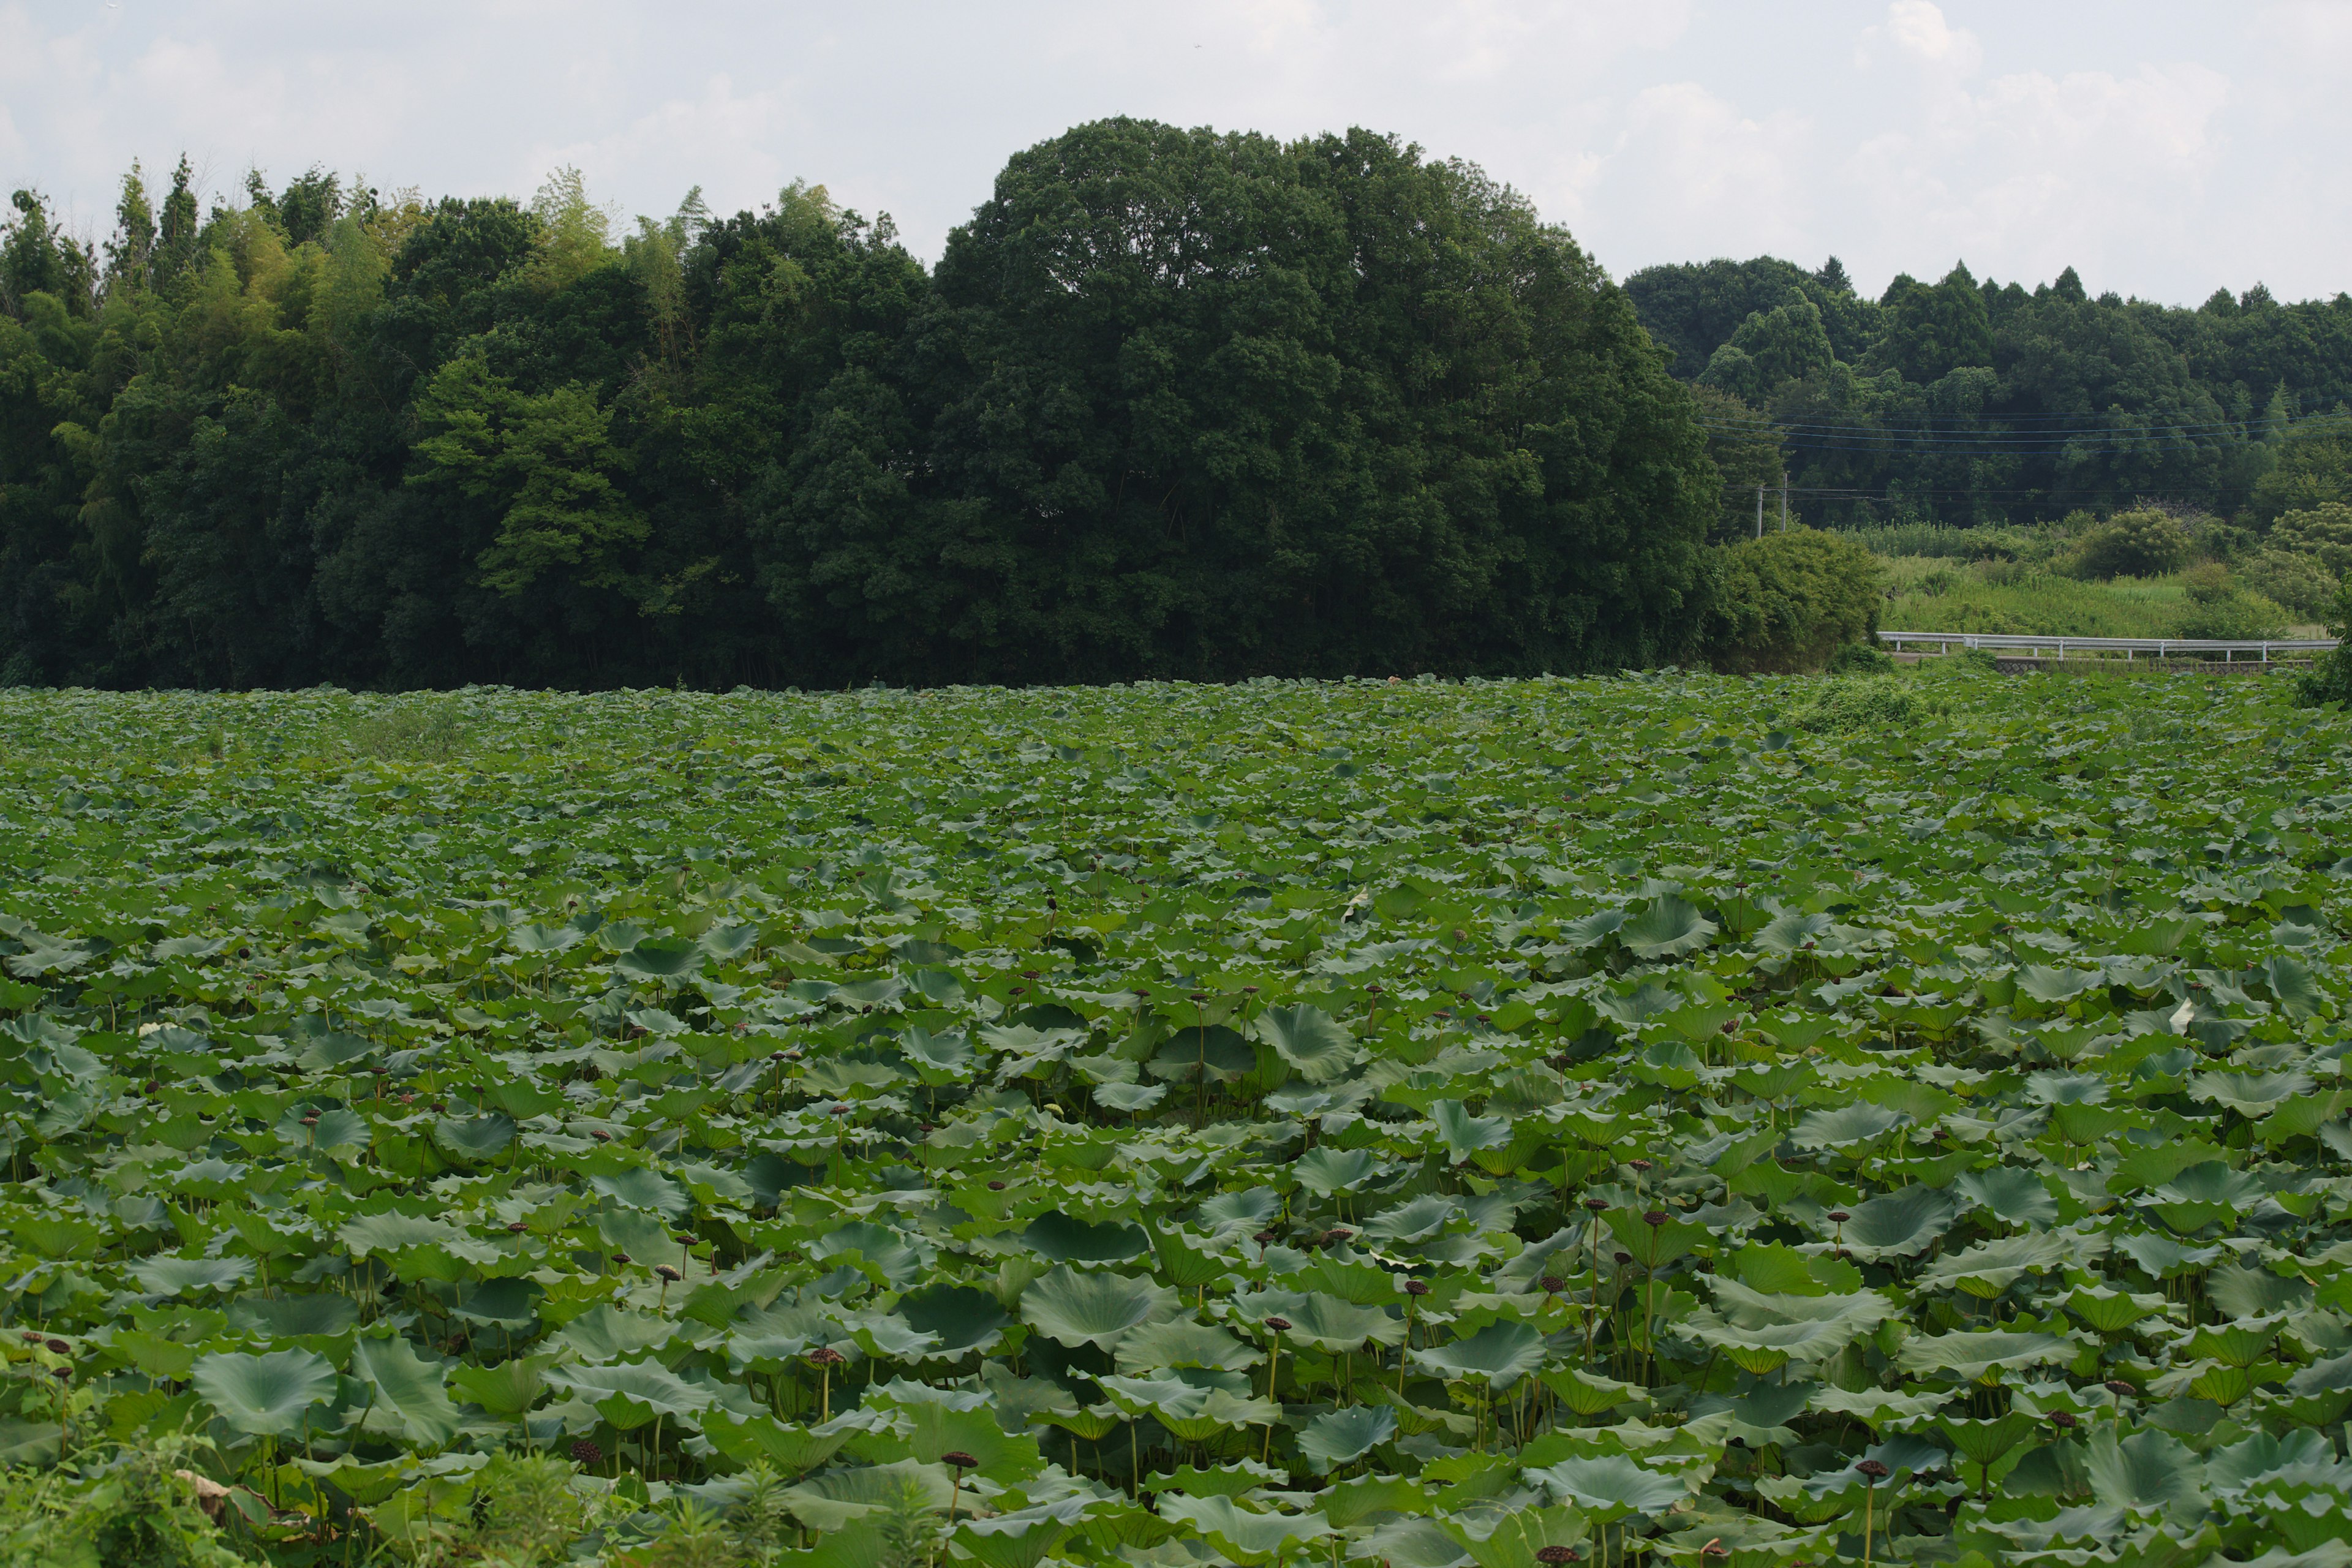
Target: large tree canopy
{"x":1174,"y":404}
{"x":1967,"y":400}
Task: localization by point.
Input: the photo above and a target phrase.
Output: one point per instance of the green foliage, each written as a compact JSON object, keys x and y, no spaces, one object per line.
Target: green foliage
{"x":1966,"y":403}
{"x":132,"y":1507}
{"x":546,"y":464}
{"x":1880,"y":704}
{"x":1860,"y":659}
{"x":1934,"y":330}
{"x":2146,"y":542}
{"x":1761,"y":1080}
{"x":1787,"y":601}
{"x":1174,"y":403}
{"x":2330,"y":677}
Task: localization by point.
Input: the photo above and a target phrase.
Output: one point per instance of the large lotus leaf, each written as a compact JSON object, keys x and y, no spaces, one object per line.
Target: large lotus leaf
{"x":605,"y":1332}
{"x":1247,"y":1209}
{"x":641,"y":1188}
{"x":1592,"y":929}
{"x":472,"y":1137}
{"x":1321,"y":1321}
{"x":2160,"y":1257}
{"x":503,"y":1302}
{"x":2260,"y":1456}
{"x":1129,"y":1096}
{"x":2253,"y":1095}
{"x":1843,"y":1127}
{"x":165,"y":1275}
{"x":410,"y":1401}
{"x":1094,"y":1306}
{"x":1899,"y":1223}
{"x":1020,"y":1539}
{"x":1520,"y":1537}
{"x":661,"y":958}
{"x":1762,"y":1346}
{"x":1611,"y":1487}
{"x":1237,"y":1478}
{"x":1415,"y":1544}
{"x":1244,"y":1537}
{"x":901,"y":1257}
{"x":1058,"y":1238}
{"x":928,"y":1430}
{"x":631,"y":1393}
{"x":2056,"y":986}
{"x":2015,"y":1196}
{"x":2245,"y":1292}
{"x":1990,"y":1267}
{"x":1788,"y":932}
{"x":369,"y":1233}
{"x":959,"y":1317}
{"x":533,"y":938}
{"x":1340,"y":1437}
{"x":942,"y":1058}
{"x":832,"y":1499}
{"x":1327,"y":1171}
{"x":1416,"y":1220}
{"x":642,"y":1236}
{"x":1171,"y":1399}
{"x":1182,"y":1343}
{"x":310,"y":1315}
{"x":794,"y":1451}
{"x":1669,"y":928}
{"x":1465,"y":1135}
{"x":2212,"y":1181}
{"x":265,"y":1395}
{"x":1974,"y":1356}
{"x":1352,"y":1501}
{"x":1314,"y":1045}
{"x":891,"y":1339}
{"x":1857,"y":1312}
{"x":1498,"y":1355}
{"x":2297,"y":990}
{"x":2149,"y":1469}
{"x":506,"y":1390}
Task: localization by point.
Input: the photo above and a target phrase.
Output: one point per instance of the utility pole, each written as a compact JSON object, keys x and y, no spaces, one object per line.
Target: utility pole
{"x":1760,"y":511}
{"x":1784,"y":500}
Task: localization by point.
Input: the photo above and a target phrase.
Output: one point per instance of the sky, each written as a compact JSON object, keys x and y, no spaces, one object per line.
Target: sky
{"x":2163,"y":149}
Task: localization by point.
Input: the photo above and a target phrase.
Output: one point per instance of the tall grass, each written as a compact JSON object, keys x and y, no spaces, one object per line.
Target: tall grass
{"x":1936,"y":541}
{"x":1932,"y":595}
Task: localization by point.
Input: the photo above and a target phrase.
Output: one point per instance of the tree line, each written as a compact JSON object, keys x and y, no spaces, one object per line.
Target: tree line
{"x":1174,"y":404}
{"x":1967,"y":401}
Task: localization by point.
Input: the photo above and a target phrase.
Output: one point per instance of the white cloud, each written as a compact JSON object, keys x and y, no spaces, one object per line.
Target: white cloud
{"x":2038,"y":173}
{"x":1708,"y":178}
{"x":1917,"y":30}
{"x":2194,"y":148}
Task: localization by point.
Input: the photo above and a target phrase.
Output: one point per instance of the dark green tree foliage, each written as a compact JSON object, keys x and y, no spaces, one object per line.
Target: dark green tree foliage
{"x":1963,"y":401}
{"x":1175,"y":403}
{"x":1213,"y":405}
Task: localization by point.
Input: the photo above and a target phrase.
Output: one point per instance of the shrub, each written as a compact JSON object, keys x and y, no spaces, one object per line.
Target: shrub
{"x":2143,"y":543}
{"x":2299,"y":583}
{"x":1869,"y":702}
{"x":2330,"y":680}
{"x":1787,"y":601}
{"x":2219,"y":607}
{"x":1860,"y":659}
{"x":128,"y":1506}
{"x":2322,"y":532}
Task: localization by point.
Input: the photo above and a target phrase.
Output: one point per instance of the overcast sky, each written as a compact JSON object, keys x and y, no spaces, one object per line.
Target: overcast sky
{"x":2164,"y":149}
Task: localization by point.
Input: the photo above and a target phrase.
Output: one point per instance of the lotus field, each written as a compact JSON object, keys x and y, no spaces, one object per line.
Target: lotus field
{"x":1661,"y":1120}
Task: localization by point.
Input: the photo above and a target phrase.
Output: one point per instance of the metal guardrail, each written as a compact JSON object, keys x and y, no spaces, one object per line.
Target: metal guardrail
{"x":2161,"y":648}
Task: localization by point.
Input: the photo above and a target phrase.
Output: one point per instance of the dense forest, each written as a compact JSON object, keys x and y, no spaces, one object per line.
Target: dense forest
{"x":1966,"y":402}
{"x":1173,"y":403}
